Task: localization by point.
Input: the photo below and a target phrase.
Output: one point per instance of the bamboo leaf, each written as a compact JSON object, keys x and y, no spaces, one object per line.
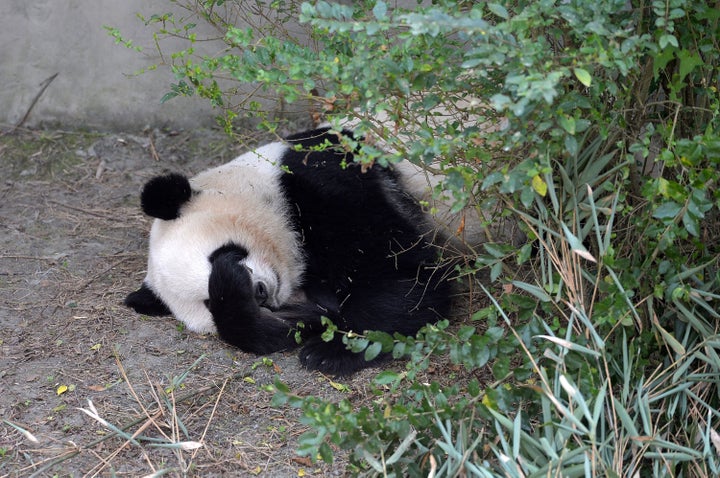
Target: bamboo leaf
{"x":576,"y":245}
{"x":534,"y":290}
{"x":669,"y":338}
{"x":570,"y":345}
{"x":626,"y":421}
{"x":402,"y":447}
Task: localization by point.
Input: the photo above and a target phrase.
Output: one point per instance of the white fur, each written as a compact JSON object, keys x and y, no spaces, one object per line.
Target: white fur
{"x":239,"y":202}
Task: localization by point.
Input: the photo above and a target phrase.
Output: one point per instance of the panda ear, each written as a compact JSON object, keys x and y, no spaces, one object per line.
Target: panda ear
{"x":163,"y":196}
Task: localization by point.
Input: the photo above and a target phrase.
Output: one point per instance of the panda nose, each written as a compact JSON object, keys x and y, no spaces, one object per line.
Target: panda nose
{"x":261,"y":293}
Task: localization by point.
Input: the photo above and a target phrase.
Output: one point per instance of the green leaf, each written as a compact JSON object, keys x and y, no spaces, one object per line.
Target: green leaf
{"x":473,"y":62}
{"x":524,"y":253}
{"x":567,"y":123}
{"x":473,"y":388}
{"x":373,"y":351}
{"x":168,"y":96}
{"x":486,"y":313}
{"x":494,"y":333}
{"x":667,"y":210}
{"x":628,"y":423}
{"x":385,"y":340}
{"x":570,"y":345}
{"x":398,"y":350}
{"x":539,"y":185}
{"x":500,"y":102}
{"x":465,"y":332}
{"x":326,"y":453}
{"x":387,"y":377}
{"x":281,"y":387}
{"x":691,"y":224}
{"x":380,"y":10}
{"x":667,"y":40}
{"x":571,"y":145}
{"x":527,"y":197}
{"x":328,"y":335}
{"x":359,"y":344}
{"x":576,"y":244}
{"x":501,"y":367}
{"x":498,"y":10}
{"x":670,"y":339}
{"x":534,"y":290}
{"x":495,"y":271}
{"x":583,"y":76}
{"x":688,"y":62}
{"x":495,"y":250}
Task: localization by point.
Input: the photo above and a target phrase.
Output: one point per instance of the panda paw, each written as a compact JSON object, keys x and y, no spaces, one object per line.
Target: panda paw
{"x":231,"y":290}
{"x":333,"y":358}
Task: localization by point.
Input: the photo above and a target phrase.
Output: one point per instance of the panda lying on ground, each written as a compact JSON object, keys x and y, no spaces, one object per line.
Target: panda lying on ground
{"x":264,"y":246}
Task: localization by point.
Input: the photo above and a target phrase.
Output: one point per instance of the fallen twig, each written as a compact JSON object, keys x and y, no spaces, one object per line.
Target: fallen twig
{"x":43,"y":87}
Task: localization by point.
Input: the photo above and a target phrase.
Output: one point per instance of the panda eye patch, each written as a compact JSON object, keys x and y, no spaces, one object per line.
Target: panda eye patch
{"x":261,"y":292}
{"x":207,"y":303}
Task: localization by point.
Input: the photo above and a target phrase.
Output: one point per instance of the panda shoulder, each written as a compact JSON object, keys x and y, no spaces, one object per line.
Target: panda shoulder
{"x":266,"y":159}
{"x":261,"y":166}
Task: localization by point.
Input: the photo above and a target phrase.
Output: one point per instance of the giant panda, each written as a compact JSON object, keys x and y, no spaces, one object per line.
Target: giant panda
{"x":261,"y":248}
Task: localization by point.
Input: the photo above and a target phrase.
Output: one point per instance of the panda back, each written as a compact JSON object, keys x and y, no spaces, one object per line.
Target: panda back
{"x":351,"y":219}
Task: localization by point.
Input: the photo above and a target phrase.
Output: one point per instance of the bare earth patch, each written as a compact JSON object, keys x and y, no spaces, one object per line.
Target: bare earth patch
{"x":72,"y":245}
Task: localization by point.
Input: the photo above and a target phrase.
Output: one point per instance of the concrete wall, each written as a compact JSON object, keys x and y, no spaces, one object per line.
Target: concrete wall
{"x":93,"y":89}
{"x":95,"y":86}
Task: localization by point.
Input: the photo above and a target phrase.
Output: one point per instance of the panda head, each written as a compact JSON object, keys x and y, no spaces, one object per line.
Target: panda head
{"x":193,"y":227}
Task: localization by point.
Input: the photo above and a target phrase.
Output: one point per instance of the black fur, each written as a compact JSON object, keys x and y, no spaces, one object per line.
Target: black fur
{"x":368,"y":264}
{"x":238,"y":317}
{"x":144,"y":301}
{"x":234,"y":250}
{"x":163,"y":196}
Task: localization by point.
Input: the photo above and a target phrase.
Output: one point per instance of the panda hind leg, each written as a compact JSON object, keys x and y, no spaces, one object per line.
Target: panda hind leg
{"x":389,"y":306}
{"x":333,"y":357}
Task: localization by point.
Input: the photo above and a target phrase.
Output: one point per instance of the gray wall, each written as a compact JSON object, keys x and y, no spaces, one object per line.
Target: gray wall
{"x":95,"y":86}
{"x":41,"y":37}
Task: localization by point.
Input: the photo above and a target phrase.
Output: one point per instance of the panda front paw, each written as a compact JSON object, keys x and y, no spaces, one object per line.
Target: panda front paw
{"x":238,"y":316}
{"x":231,"y":290}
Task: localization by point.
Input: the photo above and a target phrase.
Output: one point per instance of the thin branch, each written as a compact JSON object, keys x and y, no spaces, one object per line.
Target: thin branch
{"x":43,"y":87}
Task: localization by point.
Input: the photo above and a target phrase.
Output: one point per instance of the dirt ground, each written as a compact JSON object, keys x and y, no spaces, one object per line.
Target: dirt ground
{"x":72,"y":245}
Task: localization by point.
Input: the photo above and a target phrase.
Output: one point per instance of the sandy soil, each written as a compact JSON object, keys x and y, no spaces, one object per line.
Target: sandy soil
{"x":72,"y":245}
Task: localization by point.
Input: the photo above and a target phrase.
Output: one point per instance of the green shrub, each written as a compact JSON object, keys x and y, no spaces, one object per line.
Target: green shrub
{"x":595,"y":126}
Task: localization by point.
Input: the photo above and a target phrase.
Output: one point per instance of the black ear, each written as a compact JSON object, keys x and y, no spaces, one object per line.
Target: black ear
{"x":144,"y":301}
{"x":163,"y":196}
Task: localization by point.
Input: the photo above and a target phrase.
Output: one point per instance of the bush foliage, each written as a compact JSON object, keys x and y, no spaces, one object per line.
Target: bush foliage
{"x":592,"y":124}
